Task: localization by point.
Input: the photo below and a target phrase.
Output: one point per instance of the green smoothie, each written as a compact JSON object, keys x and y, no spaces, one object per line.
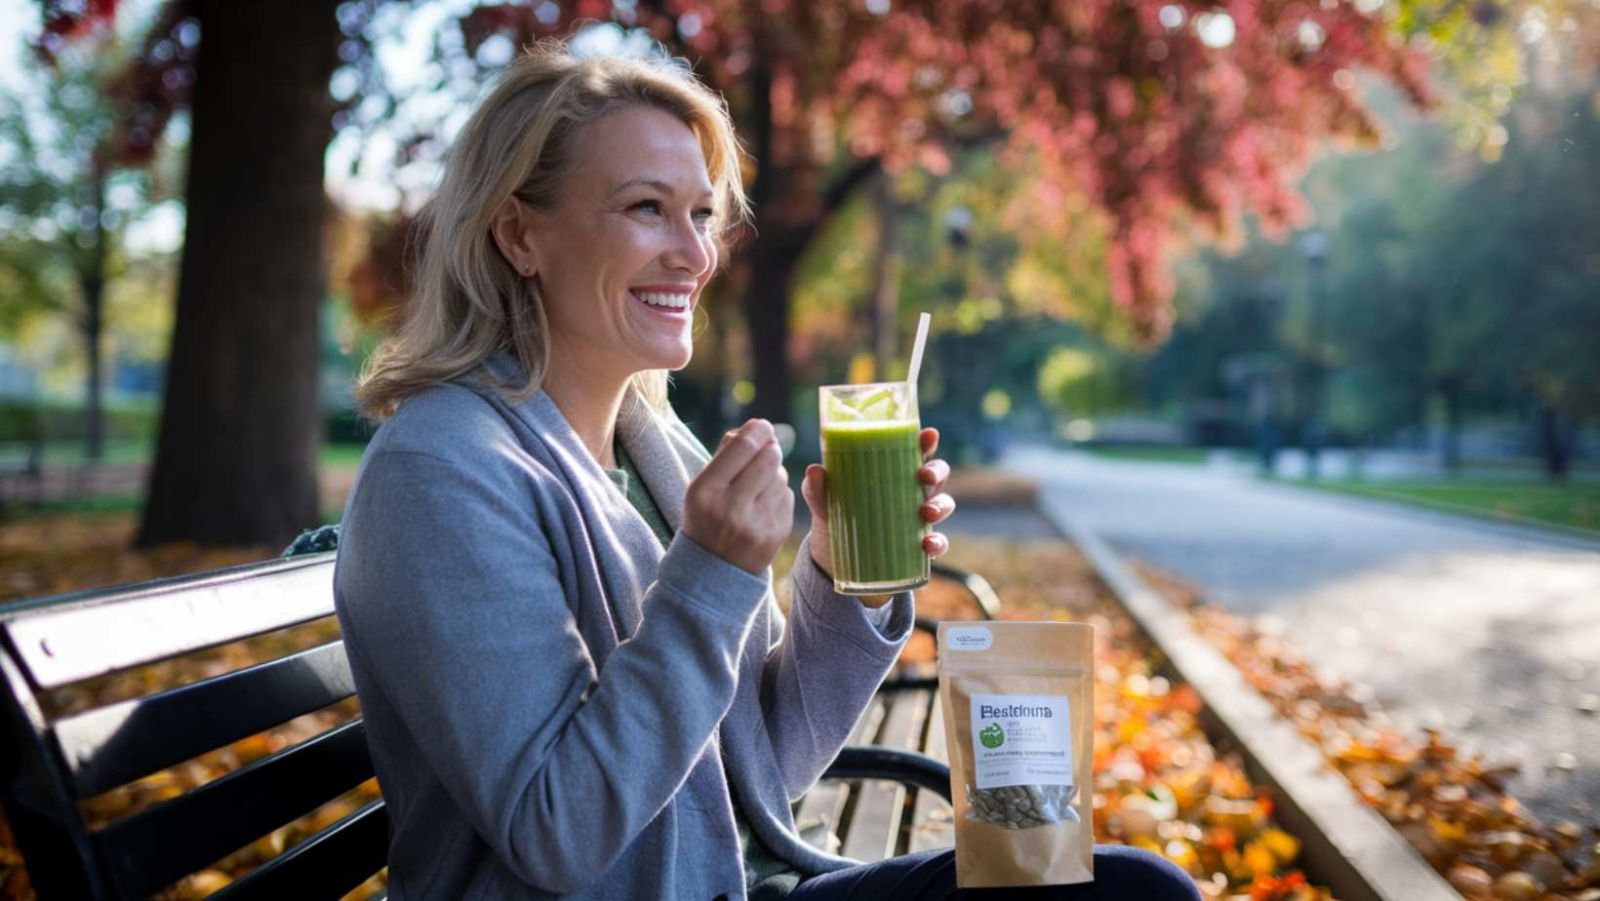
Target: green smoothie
{"x":873,"y":496}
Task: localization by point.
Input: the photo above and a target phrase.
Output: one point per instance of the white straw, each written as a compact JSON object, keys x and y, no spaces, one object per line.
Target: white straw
{"x":916,"y":347}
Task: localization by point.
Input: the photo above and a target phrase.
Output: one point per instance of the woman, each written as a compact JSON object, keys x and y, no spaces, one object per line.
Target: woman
{"x":556,"y":603}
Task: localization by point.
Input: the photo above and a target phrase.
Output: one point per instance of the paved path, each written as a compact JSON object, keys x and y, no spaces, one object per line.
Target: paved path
{"x":1491,"y":634}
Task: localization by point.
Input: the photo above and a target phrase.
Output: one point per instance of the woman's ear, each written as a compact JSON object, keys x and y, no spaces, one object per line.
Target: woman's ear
{"x":512,"y":230}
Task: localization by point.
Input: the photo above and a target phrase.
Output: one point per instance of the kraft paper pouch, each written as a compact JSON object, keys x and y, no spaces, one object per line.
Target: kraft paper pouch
{"x":1018,"y":704}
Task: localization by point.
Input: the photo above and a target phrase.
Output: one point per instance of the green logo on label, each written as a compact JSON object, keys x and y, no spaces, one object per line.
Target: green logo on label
{"x":992,"y":736}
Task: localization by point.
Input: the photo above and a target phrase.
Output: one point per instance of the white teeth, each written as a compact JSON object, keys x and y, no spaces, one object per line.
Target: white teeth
{"x":670,"y":301}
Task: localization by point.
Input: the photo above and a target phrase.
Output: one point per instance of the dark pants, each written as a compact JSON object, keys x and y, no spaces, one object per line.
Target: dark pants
{"x":1120,"y":874}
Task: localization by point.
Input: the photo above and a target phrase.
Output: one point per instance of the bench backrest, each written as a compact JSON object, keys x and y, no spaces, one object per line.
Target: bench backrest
{"x":49,"y":765}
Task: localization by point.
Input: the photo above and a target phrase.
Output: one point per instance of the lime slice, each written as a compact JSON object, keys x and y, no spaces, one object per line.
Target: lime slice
{"x":841,"y":411}
{"x":879,"y":405}
{"x":880,"y":410}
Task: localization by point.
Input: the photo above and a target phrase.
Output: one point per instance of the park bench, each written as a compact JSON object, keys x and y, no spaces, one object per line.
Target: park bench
{"x":21,"y":471}
{"x":53,"y":763}
{"x":26,"y":483}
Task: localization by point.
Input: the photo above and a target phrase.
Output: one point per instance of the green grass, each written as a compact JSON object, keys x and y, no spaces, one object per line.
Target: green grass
{"x":1530,"y":466}
{"x":1187,"y":455}
{"x":342,"y":454}
{"x":1573,"y":504}
{"x":67,"y":454}
{"x":333,"y":455}
{"x":70,"y":453}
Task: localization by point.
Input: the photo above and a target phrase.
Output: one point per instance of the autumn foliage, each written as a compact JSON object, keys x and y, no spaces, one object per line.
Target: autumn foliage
{"x":1452,"y":807}
{"x":154,"y":84}
{"x":1154,"y":120}
{"x":1164,"y":115}
{"x":1159,"y":782}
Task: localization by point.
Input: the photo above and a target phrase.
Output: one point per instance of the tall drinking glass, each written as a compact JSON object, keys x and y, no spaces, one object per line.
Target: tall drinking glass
{"x":871,"y":453}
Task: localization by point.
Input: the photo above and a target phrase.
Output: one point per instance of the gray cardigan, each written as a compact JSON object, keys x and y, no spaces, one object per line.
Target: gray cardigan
{"x":545,"y":689}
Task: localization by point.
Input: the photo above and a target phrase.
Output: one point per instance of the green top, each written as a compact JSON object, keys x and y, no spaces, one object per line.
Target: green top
{"x":766,"y":876}
{"x":866,"y":434}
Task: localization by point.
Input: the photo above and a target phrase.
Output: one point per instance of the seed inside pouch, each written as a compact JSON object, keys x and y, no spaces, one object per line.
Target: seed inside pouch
{"x":1024,"y":806}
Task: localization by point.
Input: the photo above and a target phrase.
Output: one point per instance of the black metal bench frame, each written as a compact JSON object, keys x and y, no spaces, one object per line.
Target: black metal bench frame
{"x":48,"y":766}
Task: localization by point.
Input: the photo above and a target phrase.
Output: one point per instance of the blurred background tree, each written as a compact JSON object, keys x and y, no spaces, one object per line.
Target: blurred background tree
{"x":240,"y":425}
{"x":1147,"y":111}
{"x":1017,"y":163}
{"x":1453,"y":287}
{"x":68,"y":201}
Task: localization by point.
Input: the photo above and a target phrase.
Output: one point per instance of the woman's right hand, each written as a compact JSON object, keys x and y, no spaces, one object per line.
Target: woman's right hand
{"x":740,"y":507}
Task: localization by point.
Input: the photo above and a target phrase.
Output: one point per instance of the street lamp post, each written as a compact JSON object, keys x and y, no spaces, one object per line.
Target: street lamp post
{"x":1315,"y":248}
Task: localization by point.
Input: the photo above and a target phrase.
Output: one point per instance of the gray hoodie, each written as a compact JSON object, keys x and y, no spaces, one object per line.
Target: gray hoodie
{"x":545,"y":689}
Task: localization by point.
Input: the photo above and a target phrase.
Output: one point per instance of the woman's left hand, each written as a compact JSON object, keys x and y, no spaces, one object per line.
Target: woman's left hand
{"x":936,"y":509}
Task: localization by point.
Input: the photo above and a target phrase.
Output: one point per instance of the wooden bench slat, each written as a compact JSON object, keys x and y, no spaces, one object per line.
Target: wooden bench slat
{"x":328,"y":864}
{"x":817,"y":820}
{"x":153,"y":848}
{"x":874,"y":829}
{"x":66,"y":642}
{"x":933,"y":742}
{"x":117,"y":744}
{"x":932,"y":825}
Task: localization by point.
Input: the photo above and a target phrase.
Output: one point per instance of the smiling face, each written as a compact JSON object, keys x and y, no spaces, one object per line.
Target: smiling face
{"x":622,"y":257}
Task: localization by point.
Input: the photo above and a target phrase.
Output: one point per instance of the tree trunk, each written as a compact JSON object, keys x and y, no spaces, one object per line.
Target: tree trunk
{"x":706,"y":383}
{"x":774,"y":257}
{"x":1553,"y":442}
{"x":1450,"y":387}
{"x":885,"y":310}
{"x":93,"y":324}
{"x":766,"y":294}
{"x":789,"y":217}
{"x":240,"y":428}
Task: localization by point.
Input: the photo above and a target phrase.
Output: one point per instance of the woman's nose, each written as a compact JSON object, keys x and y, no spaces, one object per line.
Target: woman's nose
{"x":691,"y":249}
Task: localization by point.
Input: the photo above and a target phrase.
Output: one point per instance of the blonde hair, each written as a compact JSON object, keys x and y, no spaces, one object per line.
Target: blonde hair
{"x":468,"y":300}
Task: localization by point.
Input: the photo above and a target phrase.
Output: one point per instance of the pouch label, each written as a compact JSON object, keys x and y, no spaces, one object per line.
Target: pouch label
{"x":969,"y":638}
{"x":1021,"y":740}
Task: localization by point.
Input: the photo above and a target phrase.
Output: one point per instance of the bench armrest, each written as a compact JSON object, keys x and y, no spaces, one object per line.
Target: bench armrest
{"x":908,"y":767}
{"x":982,"y":593}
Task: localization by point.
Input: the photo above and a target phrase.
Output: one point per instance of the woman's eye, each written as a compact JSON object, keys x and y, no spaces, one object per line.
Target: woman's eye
{"x":648,"y":206}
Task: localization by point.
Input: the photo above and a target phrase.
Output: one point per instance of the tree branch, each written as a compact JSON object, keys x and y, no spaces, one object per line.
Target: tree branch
{"x":840,"y":191}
